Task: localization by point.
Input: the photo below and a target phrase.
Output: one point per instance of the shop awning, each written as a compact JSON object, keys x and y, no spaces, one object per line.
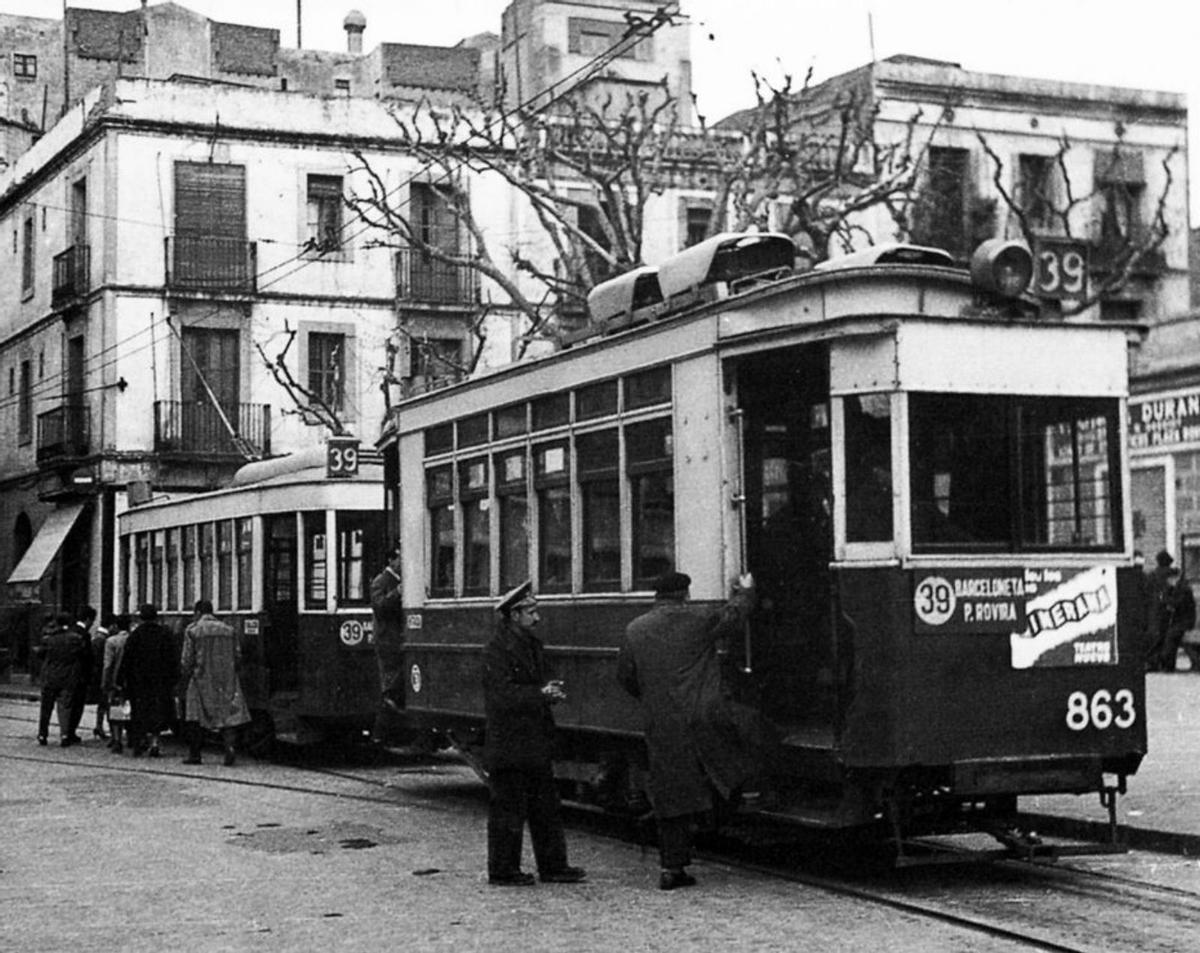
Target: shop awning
{"x":45,"y":545}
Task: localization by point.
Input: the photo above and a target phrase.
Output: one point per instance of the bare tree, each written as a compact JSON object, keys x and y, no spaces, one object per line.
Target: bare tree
{"x":1044,"y":201}
{"x":311,"y":404}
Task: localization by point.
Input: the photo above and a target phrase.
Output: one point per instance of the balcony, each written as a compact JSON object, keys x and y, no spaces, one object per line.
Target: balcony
{"x":208,"y":263}
{"x":422,"y":279}
{"x":63,"y":433}
{"x":195,"y":428}
{"x":71,"y":271}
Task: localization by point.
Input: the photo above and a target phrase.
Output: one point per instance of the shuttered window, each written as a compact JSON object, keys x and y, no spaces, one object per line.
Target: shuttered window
{"x":210,"y":199}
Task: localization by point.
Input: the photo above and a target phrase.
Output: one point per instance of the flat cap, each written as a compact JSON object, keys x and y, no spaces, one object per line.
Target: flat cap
{"x":515,"y":597}
{"x":672,"y":583}
{"x":1164,"y":558}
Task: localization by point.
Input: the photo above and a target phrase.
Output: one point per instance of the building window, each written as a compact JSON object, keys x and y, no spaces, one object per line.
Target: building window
{"x":589,"y":37}
{"x":327,"y":368}
{"x":341,"y":86}
{"x":27,"y":257}
{"x":1036,"y":190}
{"x":24,"y":66}
{"x":25,"y":404}
{"x":696,"y":221}
{"x":940,"y":215}
{"x":324,"y":213}
{"x":435,"y":357}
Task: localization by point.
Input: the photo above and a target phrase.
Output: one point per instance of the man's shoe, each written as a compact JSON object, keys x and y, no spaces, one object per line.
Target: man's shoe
{"x":518,"y":879}
{"x":190,"y":760}
{"x":567,"y":875}
{"x":673,"y":879}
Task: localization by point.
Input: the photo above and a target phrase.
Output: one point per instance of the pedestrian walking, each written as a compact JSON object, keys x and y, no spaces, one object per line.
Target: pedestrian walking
{"x":518,"y":754}
{"x":697,"y":741}
{"x":149,"y":670}
{"x":64,"y":655}
{"x":118,"y":703}
{"x":85,"y":618}
{"x":95,"y":693}
{"x":210,"y":667}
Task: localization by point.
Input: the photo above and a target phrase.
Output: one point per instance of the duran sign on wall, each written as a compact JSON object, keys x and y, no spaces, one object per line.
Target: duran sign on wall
{"x":1165,"y":420}
{"x":1053,"y":616}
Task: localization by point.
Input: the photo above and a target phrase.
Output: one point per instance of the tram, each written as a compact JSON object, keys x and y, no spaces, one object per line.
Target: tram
{"x":286,"y":554}
{"x":923,"y":468}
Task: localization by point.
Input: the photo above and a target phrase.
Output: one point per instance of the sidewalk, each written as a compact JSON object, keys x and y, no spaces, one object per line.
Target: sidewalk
{"x":1160,"y":810}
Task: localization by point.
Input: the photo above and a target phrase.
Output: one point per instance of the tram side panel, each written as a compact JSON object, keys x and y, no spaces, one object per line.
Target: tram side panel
{"x":954,"y":698}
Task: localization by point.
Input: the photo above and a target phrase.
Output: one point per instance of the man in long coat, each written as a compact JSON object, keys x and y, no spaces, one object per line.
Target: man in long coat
{"x":149,"y":670}
{"x":209,"y":667}
{"x":519,"y":749}
{"x":669,"y":661}
{"x":64,"y":652}
{"x":387,"y":610}
{"x":85,"y":617}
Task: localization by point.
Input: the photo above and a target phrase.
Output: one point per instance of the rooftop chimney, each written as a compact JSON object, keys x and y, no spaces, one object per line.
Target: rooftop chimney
{"x":354,"y":25}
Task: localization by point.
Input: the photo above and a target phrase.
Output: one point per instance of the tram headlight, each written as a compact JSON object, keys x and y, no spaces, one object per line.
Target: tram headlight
{"x":1002,"y":267}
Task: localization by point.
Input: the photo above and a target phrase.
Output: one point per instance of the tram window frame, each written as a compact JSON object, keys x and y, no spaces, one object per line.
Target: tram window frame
{"x":650,"y":470}
{"x":172,"y":600}
{"x":1010,"y":468}
{"x":141,"y":565}
{"x":355,"y":556}
{"x":208,"y":552}
{"x":190,"y":554}
{"x":647,"y":388}
{"x":597,"y":400}
{"x":550,"y":411}
{"x":598,"y":474}
{"x":439,"y":440}
{"x":472,"y":431}
{"x":316,"y":570}
{"x":869,"y":480}
{"x":244,"y":561}
{"x":474,"y":488}
{"x":513,"y":517}
{"x":554,"y":508}
{"x":443,"y":541}
{"x":511,"y":421}
{"x":225,"y":565}
{"x":158,"y":564}
{"x":127,"y":569}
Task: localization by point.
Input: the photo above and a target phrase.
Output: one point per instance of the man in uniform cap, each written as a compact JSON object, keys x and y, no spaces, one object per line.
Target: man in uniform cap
{"x":695,"y":743}
{"x":519,"y":748}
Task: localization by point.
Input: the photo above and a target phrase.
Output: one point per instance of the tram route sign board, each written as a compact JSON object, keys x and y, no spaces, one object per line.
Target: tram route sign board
{"x":1055,"y":616}
{"x":1061,"y":268}
{"x":341,"y":457}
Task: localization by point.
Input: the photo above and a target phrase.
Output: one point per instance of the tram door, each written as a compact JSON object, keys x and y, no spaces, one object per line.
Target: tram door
{"x":784,"y":399}
{"x":280,"y":603}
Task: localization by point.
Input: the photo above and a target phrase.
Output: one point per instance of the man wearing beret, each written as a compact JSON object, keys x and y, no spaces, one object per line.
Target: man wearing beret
{"x":669,"y":662}
{"x":519,"y":748}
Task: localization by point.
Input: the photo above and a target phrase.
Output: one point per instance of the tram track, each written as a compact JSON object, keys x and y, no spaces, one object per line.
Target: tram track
{"x":1094,"y":888}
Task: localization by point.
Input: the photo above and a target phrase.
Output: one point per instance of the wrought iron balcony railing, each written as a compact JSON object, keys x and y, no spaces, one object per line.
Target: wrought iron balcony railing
{"x":71,"y":275}
{"x":211,"y":263}
{"x":64,"y":433}
{"x":196,"y":428}
{"x":423,"y":279}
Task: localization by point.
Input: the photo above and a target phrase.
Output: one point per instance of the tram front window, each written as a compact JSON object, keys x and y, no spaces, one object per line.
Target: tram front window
{"x":1006,"y":473}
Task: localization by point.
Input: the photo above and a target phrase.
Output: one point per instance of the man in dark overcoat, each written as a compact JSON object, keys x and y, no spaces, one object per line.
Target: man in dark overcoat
{"x":85,"y":618}
{"x":387,"y":610}
{"x":149,"y":670}
{"x":669,"y":662}
{"x":519,"y":749}
{"x":63,"y":652}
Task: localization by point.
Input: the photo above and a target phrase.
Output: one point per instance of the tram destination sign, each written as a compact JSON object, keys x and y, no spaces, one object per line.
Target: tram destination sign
{"x":1054,"y":616}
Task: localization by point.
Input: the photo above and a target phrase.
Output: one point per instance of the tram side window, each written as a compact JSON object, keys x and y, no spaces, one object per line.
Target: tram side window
{"x":512,"y":496}
{"x":189,"y":565}
{"x":440,"y":484}
{"x":141,"y":561}
{"x":552,"y":473}
{"x":126,"y":573}
{"x":208,"y":546}
{"x":360,"y":546}
{"x":477,"y":542}
{"x":157,"y":564}
{"x":600,"y":497}
{"x":316,"y":560}
{"x":868,"y":428}
{"x":650,"y":463}
{"x":173,"y":568}
{"x":225,"y":564}
{"x":245,"y":576}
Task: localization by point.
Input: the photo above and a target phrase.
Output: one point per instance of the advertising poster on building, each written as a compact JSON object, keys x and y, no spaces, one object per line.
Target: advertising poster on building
{"x":1054,"y":616}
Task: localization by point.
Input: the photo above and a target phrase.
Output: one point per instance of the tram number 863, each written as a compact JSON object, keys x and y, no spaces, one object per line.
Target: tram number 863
{"x":1102,"y":710}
